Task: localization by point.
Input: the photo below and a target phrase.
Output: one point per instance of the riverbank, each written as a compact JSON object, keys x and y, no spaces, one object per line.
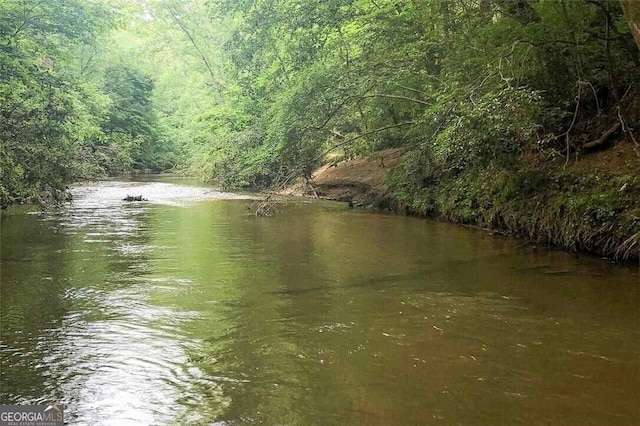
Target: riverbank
{"x":590,"y":205}
{"x":361,"y":181}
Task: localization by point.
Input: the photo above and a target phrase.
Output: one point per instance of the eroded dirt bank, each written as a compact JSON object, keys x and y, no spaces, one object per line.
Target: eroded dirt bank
{"x":589,"y":205}
{"x":361,"y":181}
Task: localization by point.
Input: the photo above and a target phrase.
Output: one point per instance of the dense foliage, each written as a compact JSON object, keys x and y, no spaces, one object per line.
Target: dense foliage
{"x":66,"y":112}
{"x":462,"y":83}
{"x":251,"y":93}
{"x":40,"y":106}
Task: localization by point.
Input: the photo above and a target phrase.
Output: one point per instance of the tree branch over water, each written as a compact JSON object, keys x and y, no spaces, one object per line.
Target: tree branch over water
{"x":404,"y":98}
{"x":346,"y":141}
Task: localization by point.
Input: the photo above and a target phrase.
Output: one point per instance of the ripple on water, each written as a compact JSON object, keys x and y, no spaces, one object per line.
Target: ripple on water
{"x":116,"y":358}
{"x":104,"y":195}
{"x":168,"y":315}
{"x":126,"y":363}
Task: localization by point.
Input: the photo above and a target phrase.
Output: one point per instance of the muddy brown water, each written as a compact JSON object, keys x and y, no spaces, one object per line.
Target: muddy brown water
{"x":186,"y":310}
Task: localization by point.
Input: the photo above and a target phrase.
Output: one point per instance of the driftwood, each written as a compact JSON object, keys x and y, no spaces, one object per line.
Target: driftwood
{"x":134,"y":198}
{"x":604,"y":138}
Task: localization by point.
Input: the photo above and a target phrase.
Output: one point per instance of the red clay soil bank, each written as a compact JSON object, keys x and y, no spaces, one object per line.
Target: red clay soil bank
{"x":360,"y":181}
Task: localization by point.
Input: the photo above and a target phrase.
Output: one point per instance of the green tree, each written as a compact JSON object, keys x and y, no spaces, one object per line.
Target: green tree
{"x":41,"y":103}
{"x":130,"y":126}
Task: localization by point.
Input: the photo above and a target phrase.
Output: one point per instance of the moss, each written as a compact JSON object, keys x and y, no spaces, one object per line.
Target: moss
{"x":597,"y":213}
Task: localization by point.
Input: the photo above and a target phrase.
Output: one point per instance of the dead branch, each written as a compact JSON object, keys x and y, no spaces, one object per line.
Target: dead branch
{"x":595,"y":96}
{"x":404,"y":98}
{"x":308,"y":183}
{"x":573,"y":122}
{"x":411,"y":89}
{"x":604,"y":138}
{"x":331,"y":114}
{"x":214,"y":80}
{"x":361,"y":136}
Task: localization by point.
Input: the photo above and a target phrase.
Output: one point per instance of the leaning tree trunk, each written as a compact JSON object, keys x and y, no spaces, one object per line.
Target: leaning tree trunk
{"x":631,"y":9}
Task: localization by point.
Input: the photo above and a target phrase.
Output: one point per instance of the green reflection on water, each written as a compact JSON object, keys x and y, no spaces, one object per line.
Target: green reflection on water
{"x":319,"y":315}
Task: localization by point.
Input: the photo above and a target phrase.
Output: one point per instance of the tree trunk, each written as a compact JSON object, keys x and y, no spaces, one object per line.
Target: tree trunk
{"x":631,"y":9}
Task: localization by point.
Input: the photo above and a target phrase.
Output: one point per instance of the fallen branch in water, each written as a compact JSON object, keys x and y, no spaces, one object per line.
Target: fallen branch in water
{"x":134,"y":198}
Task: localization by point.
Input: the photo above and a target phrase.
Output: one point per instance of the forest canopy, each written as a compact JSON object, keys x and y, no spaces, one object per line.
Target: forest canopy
{"x":252,"y":93}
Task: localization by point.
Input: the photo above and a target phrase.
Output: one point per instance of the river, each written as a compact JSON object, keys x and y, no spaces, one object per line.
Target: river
{"x":185,"y":309}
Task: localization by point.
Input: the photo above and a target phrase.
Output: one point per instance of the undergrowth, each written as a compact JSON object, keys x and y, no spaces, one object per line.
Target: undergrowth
{"x":594,"y":212}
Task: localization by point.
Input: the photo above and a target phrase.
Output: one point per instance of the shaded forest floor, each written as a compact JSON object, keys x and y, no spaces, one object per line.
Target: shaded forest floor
{"x":591,"y":204}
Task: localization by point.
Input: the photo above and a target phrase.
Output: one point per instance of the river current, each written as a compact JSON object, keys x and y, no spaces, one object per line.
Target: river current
{"x":188,"y":309}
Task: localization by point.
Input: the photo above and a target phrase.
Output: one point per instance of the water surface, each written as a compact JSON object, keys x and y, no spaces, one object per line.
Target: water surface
{"x":187,"y":310}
